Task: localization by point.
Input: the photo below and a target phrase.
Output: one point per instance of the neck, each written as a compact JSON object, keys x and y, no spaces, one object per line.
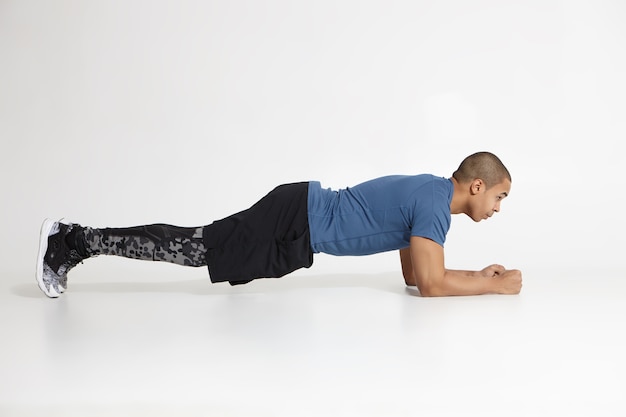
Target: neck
{"x":458,"y":204}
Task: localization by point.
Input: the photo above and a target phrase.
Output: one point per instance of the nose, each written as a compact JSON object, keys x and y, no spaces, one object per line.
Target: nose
{"x":497,"y":207}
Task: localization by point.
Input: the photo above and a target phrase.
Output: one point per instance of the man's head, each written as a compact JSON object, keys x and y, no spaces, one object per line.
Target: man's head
{"x":484,"y":182}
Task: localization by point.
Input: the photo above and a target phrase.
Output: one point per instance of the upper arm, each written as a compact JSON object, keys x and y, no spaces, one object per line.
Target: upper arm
{"x":427,"y":263}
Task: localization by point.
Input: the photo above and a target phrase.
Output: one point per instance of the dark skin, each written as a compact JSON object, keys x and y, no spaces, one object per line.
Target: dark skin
{"x":423,"y":261}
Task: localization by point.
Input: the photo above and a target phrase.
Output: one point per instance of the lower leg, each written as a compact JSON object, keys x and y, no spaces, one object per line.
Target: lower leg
{"x":156,"y":242}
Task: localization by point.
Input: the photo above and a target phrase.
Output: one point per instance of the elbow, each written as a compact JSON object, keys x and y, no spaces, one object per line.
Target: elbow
{"x":432,"y":284}
{"x":424,"y":292}
{"x":430,"y":290}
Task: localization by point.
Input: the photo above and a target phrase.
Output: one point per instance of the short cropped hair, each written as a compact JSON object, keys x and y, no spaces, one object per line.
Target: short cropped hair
{"x":482,"y":165}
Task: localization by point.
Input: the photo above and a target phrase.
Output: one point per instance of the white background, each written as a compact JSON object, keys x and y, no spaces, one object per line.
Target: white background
{"x":121,"y":113}
{"x":124,"y":113}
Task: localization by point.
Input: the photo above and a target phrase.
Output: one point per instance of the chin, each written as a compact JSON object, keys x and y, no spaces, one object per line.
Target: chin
{"x":475,"y":219}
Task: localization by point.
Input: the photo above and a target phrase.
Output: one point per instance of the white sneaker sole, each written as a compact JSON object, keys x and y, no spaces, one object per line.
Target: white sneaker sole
{"x":46,"y":229}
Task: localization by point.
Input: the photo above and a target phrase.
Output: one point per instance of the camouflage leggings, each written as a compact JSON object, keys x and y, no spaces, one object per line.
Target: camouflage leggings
{"x":156,"y":242}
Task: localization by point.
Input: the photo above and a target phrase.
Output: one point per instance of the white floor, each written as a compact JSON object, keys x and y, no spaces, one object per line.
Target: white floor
{"x":148,"y":340}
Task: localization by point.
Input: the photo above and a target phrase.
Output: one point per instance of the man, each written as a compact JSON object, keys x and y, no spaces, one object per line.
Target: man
{"x":282,"y":231}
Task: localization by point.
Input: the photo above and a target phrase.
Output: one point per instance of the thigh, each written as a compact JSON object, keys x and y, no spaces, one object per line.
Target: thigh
{"x":268,"y":240}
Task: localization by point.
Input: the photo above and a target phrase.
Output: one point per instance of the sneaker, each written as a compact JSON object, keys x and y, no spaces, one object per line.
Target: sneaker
{"x":55,"y":257}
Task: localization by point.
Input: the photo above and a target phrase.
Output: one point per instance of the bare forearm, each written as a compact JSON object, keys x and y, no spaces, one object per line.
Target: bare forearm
{"x":454,"y":282}
{"x":491,"y":280}
{"x":457,"y":282}
{"x":409,"y":278}
{"x":463,"y":272}
{"x":423,"y":266}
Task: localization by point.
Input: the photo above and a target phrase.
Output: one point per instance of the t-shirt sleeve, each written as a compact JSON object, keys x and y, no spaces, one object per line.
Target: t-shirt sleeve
{"x":431,"y":214}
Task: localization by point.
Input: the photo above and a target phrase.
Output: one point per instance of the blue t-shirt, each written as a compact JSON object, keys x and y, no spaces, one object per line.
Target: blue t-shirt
{"x":379,"y":215}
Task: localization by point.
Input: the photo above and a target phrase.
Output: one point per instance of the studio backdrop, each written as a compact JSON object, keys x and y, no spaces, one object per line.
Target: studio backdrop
{"x":131,"y":112}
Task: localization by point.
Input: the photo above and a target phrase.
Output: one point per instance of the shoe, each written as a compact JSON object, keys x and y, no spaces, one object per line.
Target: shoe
{"x":55,"y":258}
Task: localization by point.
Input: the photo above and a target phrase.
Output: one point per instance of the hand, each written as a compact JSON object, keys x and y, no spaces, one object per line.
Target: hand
{"x":510,"y":282}
{"x":492,"y":271}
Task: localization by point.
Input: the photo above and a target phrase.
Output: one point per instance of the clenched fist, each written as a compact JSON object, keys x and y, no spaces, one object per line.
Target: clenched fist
{"x":510,"y":281}
{"x":492,"y":271}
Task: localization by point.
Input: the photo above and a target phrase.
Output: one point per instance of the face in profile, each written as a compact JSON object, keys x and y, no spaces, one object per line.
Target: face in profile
{"x":486,"y":201}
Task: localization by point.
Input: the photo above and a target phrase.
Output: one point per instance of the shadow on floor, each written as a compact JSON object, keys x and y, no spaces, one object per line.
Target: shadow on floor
{"x":389,"y":282}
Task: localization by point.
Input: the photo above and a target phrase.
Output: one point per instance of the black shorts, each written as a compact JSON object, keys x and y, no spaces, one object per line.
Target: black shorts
{"x":269,"y":240}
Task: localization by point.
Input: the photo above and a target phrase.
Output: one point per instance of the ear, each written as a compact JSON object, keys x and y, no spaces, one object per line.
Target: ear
{"x":477,"y":186}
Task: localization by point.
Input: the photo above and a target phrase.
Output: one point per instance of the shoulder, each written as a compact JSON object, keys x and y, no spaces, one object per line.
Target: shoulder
{"x":431,"y":186}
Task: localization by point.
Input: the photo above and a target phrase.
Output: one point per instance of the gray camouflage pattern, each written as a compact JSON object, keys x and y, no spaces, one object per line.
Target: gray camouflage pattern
{"x":182,"y":249}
